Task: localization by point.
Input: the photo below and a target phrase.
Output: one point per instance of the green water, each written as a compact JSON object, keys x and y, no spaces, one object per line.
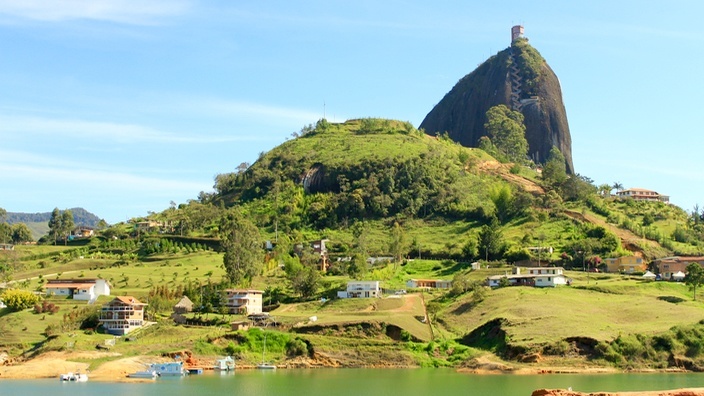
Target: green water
{"x":357,"y":382}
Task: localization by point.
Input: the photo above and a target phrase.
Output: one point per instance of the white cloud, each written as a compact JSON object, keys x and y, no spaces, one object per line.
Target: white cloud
{"x":126,"y":183}
{"x":103,"y":131}
{"x":228,"y":108}
{"x":121,"y":11}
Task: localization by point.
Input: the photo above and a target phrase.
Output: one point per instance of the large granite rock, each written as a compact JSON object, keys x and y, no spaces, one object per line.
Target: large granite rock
{"x":520,"y":70}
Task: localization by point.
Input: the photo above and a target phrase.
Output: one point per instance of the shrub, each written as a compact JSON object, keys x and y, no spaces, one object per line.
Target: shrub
{"x":296,"y":347}
{"x":18,"y":300}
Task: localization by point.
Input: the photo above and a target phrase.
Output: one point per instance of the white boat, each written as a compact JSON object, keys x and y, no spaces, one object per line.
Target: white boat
{"x":226,"y":364}
{"x":170,"y":369}
{"x":149,"y":374}
{"x":73,"y":377}
{"x":265,"y":365}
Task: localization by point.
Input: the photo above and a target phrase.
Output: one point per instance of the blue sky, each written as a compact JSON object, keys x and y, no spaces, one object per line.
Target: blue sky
{"x":122,"y":107}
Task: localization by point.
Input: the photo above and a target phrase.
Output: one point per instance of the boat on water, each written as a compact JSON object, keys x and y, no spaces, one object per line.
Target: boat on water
{"x":170,"y":369}
{"x":149,"y":374}
{"x":225,"y":364}
{"x":264,"y":365}
{"x":73,"y":377}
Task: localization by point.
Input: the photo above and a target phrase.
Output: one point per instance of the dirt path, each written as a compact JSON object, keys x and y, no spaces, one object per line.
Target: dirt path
{"x":409,"y":300}
{"x":503,"y":171}
{"x":628,"y":239}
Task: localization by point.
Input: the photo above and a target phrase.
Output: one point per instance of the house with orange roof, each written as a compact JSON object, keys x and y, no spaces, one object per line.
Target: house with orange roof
{"x":641,"y":194}
{"x":122,"y":315}
{"x":78,"y":289}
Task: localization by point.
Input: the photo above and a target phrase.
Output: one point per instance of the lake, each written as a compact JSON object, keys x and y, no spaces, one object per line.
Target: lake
{"x":356,"y":382}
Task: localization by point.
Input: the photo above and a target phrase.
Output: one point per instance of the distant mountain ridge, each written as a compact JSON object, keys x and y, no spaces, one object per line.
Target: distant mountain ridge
{"x":81,"y":217}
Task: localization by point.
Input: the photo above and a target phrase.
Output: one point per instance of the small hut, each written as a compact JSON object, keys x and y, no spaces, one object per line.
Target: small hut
{"x":184,"y":306}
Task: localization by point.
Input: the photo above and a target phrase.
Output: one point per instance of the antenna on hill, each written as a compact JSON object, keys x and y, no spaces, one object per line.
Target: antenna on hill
{"x":323,"y":109}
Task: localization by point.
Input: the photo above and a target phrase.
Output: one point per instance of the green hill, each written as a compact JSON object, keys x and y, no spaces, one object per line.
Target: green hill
{"x":378,"y":172}
{"x":367,"y":185}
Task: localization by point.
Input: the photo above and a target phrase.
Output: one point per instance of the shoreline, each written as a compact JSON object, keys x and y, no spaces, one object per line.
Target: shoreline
{"x":52,"y":364}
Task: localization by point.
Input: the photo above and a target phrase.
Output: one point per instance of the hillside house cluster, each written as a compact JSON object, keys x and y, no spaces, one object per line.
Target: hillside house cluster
{"x":532,"y":276}
{"x":78,"y":289}
{"x":641,"y":194}
{"x":82,"y":232}
{"x":675,"y":268}
{"x":320,"y":250}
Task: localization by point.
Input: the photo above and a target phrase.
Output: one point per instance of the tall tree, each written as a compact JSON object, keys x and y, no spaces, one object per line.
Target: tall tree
{"x":397,"y":244}
{"x":508,"y":133}
{"x":21,"y":233}
{"x":618,"y":186}
{"x":306,"y":281}
{"x":242,"y":243}
{"x":555,"y":169}
{"x":67,"y":224}
{"x":694,"y":277}
{"x":55,"y":224}
{"x":490,"y":238}
{"x":502,"y":197}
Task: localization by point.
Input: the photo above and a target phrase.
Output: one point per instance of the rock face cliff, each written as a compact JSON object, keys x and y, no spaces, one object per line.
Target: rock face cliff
{"x":519,"y":78}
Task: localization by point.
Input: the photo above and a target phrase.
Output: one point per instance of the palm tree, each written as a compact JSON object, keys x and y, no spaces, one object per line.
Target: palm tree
{"x":604,"y":189}
{"x":617,"y":186}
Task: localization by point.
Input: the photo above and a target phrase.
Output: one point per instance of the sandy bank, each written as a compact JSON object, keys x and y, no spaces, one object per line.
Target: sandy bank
{"x":677,"y":392}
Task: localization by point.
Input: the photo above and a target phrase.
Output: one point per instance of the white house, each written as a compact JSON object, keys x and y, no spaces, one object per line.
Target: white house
{"x":548,"y":276}
{"x":244,"y":301}
{"x":532,"y":276}
{"x":361,"y":289}
{"x":78,"y":289}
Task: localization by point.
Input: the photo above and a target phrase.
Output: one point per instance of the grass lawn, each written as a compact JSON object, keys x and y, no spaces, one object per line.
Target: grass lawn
{"x":402,"y":311}
{"x":601,"y":310}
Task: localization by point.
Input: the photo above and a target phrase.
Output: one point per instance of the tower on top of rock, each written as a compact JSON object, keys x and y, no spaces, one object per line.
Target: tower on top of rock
{"x":516,"y":32}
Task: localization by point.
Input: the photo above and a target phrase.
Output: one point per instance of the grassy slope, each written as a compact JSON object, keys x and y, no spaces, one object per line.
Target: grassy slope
{"x":601,"y":309}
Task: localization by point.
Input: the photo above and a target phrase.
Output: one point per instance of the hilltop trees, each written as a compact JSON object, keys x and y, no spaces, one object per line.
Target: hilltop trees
{"x":67,"y":224}
{"x":60,"y":225}
{"x":241,"y":241}
{"x":4,"y":228}
{"x":507,"y":132}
